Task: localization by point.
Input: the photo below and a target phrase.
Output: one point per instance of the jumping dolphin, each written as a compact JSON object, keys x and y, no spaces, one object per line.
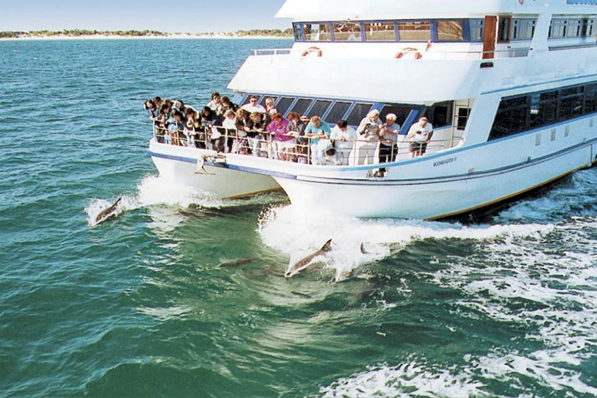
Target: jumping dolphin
{"x":109,"y":212}
{"x":305,"y":262}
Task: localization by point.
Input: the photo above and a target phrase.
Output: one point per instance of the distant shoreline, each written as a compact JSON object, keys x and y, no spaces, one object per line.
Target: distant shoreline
{"x":87,"y":35}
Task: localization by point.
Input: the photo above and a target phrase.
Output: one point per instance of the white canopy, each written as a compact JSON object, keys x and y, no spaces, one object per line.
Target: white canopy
{"x":333,"y":10}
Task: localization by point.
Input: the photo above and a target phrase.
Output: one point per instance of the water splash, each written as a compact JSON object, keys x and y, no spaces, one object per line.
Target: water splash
{"x":154,"y":191}
{"x":412,"y":378}
{"x":356,"y":242}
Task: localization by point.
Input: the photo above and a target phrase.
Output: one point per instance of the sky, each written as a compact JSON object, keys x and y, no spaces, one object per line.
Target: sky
{"x":186,"y":16}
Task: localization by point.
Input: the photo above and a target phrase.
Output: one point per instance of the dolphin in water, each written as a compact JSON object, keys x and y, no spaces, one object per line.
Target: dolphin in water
{"x":238,"y":262}
{"x":109,"y":212}
{"x":305,"y":262}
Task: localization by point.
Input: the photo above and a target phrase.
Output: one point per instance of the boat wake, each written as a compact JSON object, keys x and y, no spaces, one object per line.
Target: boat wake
{"x":155,"y":191}
{"x":166,"y":199}
{"x":357,"y":242}
{"x":544,"y":293}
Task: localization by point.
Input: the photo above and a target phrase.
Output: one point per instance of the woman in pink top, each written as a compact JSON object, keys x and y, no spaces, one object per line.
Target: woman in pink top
{"x":284,"y":142}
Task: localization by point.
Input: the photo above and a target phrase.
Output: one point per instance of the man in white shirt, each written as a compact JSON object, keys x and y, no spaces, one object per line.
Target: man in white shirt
{"x":253,"y":106}
{"x":419,"y":136}
{"x":344,"y":138}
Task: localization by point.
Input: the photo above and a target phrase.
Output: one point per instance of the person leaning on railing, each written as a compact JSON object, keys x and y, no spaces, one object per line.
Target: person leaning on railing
{"x":243,"y":129}
{"x":318,"y":132}
{"x":194,"y":131}
{"x":176,"y":125}
{"x":296,"y":127}
{"x":344,"y":138}
{"x":388,"y":148}
{"x":229,"y":123}
{"x":419,"y":136}
{"x":368,"y":142}
{"x":258,"y":123}
{"x":162,"y":123}
{"x":283,"y":139}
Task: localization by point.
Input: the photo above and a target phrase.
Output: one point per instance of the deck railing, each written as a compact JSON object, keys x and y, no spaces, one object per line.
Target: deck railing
{"x":435,"y":55}
{"x":262,"y":144}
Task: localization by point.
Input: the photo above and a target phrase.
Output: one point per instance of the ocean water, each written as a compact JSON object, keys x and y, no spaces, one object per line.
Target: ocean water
{"x":183,"y":295}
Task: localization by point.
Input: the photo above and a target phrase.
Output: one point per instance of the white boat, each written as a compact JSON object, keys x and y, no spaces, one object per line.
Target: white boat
{"x":204,"y":169}
{"x":510,"y":87}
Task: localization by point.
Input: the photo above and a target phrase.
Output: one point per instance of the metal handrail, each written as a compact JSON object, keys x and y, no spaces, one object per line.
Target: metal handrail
{"x":262,"y":144}
{"x":507,"y":53}
{"x":272,"y":51}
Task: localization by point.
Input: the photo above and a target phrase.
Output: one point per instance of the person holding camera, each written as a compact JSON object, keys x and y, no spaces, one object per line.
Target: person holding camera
{"x":367,"y":146}
{"x":419,"y":136}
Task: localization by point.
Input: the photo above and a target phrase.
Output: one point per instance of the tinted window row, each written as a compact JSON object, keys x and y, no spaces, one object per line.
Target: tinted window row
{"x":535,"y":110}
{"x":571,"y":27}
{"x":384,"y":31}
{"x":329,"y":110}
{"x":440,"y":114}
{"x":461,"y":30}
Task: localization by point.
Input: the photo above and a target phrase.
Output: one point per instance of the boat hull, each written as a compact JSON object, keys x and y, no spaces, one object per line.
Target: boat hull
{"x":180,"y":164}
{"x":436,"y":186}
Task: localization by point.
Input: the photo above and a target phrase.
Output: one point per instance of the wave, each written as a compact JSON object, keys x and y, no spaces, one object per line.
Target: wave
{"x":538,"y":284}
{"x":356,"y":242}
{"x":165,"y":198}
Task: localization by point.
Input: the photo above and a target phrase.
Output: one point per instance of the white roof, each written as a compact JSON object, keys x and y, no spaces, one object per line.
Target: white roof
{"x":333,"y":10}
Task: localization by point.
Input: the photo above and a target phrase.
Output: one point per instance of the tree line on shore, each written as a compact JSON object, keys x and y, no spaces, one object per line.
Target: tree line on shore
{"x":140,"y":33}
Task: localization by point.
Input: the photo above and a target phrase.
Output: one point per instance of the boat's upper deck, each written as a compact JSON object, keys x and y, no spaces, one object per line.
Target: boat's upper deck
{"x":325,"y":10}
{"x":437,"y":51}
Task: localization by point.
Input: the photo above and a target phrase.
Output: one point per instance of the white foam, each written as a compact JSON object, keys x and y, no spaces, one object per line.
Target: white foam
{"x":297,"y":233}
{"x":551,"y":293}
{"x":154,"y":191}
{"x":161,"y":191}
{"x":405,"y":380}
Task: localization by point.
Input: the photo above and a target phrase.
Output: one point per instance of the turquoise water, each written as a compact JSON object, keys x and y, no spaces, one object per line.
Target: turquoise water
{"x":151,"y":304}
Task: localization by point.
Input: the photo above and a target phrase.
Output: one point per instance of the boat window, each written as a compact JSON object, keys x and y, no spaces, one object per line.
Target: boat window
{"x":414,"y":31}
{"x":589,"y":28}
{"x":591,"y":99}
{"x":571,"y":103}
{"x":523,"y":29}
{"x":450,"y":31}
{"x":284,"y":104}
{"x":504,"y":24}
{"x":358,"y":113}
{"x":347,"y":31}
{"x":557,"y":29}
{"x":510,"y":118}
{"x":574,"y":28}
{"x":317,"y":32}
{"x":380,"y":31}
{"x":302,"y":105}
{"x":247,"y":98}
{"x":542,"y":109}
{"x":400,"y":111}
{"x":462,"y":119}
{"x":476,"y":26}
{"x":298,"y":34}
{"x":262,"y":102}
{"x":440,"y":114}
{"x":319,"y":108}
{"x":338,"y":111}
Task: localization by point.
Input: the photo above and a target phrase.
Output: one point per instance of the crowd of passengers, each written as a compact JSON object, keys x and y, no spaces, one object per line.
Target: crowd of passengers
{"x":254,"y":129}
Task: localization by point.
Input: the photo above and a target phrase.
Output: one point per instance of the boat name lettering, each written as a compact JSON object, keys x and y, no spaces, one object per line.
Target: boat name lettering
{"x":444,"y":162}
{"x":591,"y":2}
